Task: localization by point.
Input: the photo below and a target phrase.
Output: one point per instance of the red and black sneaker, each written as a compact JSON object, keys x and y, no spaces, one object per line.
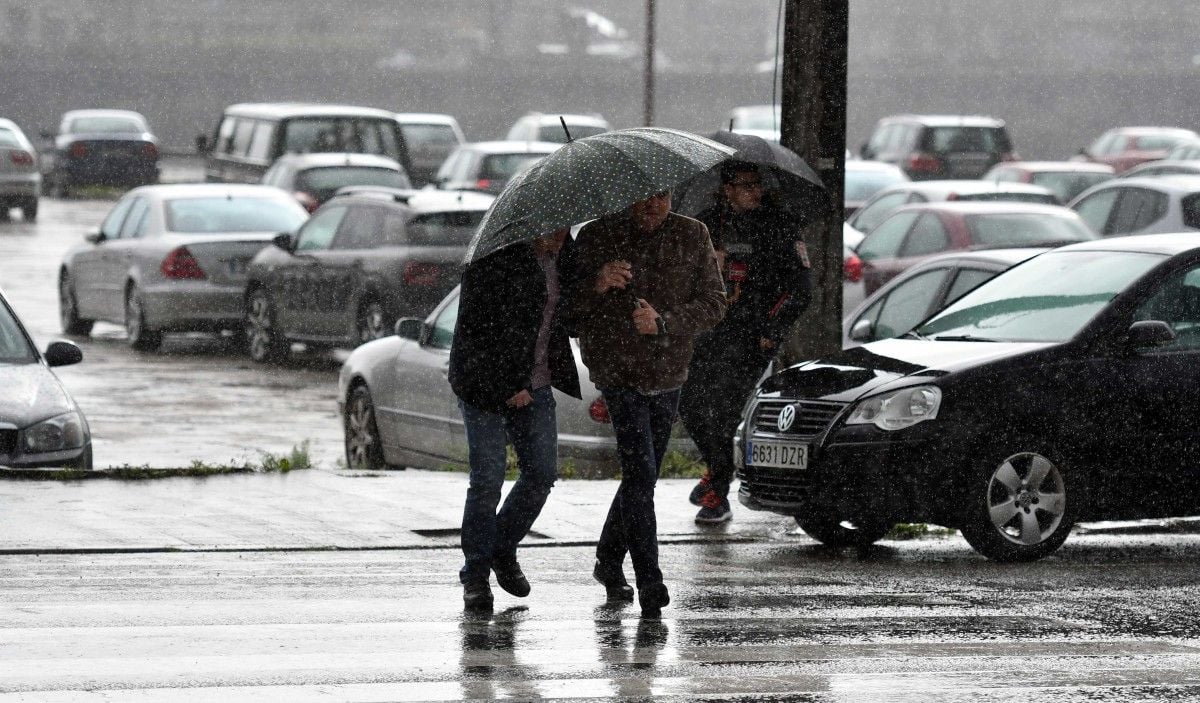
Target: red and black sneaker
{"x":714,"y":509}
{"x":701,"y":488}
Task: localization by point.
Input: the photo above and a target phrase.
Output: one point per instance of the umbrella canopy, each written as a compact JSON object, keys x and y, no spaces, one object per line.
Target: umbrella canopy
{"x":589,"y":178}
{"x":797,"y":187}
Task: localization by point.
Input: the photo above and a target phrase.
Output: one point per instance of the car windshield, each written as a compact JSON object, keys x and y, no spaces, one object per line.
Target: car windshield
{"x":554,"y":133}
{"x":14,"y":347}
{"x":325,"y":181}
{"x":948,"y":139}
{"x":232,"y":214}
{"x":8,"y":138}
{"x":444,"y":228}
{"x":861,"y":185}
{"x":1047,"y":299}
{"x":501,"y":167}
{"x":359,"y":135}
{"x":1025,"y":229}
{"x":105,"y":125}
{"x":418,"y":134}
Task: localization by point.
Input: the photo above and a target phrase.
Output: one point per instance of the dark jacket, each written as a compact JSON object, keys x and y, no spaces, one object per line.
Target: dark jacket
{"x":499,"y":315}
{"x":766,"y":272}
{"x":675,"y":270}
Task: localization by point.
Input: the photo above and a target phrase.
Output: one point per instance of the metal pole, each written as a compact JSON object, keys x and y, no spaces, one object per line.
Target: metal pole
{"x":648,"y":76}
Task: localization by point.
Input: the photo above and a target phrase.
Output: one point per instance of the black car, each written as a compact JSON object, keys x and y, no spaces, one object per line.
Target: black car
{"x":1064,"y":389}
{"x":928,"y":147}
{"x":364,"y":260}
{"x":40,"y":425}
{"x":101,"y":147}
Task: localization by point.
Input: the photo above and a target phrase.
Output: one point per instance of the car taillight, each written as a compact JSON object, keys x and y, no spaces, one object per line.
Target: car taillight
{"x":149,"y":151}
{"x":483,"y":184}
{"x":180,"y":263}
{"x":420,"y":273}
{"x":924,"y":163}
{"x":307,"y":200}
{"x":951,"y":196}
{"x":852,"y":268}
{"x":21,"y":158}
{"x":599,"y":411}
{"x":79,"y":150}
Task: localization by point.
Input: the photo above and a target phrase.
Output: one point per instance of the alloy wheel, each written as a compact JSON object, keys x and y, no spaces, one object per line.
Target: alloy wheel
{"x":363,"y":451}
{"x":1026,"y":499}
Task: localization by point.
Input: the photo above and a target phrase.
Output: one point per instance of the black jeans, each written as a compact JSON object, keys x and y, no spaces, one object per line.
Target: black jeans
{"x":642,"y":424}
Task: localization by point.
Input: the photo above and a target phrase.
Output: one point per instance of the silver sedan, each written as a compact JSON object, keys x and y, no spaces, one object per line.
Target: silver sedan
{"x":172,"y":258}
{"x":398,"y":410}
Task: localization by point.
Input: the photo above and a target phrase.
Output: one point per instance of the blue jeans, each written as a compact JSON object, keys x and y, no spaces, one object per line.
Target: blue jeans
{"x":642,"y":424}
{"x":488,"y":536}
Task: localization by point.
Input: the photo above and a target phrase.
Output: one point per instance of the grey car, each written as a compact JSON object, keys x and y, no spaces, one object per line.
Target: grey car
{"x":172,"y":258}
{"x":487,"y":166}
{"x":398,"y":410}
{"x":1145,"y":205}
{"x":314,"y":178}
{"x":20,"y":179}
{"x":101,"y":147}
{"x":430,"y":138}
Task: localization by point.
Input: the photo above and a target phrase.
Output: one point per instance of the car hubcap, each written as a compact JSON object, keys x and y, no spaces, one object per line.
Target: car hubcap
{"x":258,"y":327}
{"x":359,"y":439}
{"x":1026,"y":499}
{"x":372,"y":324}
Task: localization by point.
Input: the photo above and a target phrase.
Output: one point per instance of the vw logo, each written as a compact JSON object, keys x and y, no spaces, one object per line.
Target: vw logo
{"x":786,"y":417}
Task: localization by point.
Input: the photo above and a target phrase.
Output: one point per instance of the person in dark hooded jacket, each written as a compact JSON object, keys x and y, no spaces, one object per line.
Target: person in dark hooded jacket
{"x":510,"y":350}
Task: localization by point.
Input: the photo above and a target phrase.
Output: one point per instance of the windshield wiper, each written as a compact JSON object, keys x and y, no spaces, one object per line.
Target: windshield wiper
{"x":961,"y":338}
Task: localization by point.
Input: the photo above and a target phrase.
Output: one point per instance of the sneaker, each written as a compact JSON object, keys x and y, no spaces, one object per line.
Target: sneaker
{"x":510,"y":577}
{"x":653,"y":598}
{"x":714,"y":509}
{"x":613,"y":579}
{"x":477,"y":596}
{"x":700,"y":488}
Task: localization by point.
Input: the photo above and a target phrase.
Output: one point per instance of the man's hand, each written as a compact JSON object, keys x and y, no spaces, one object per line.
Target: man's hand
{"x":614,"y":274}
{"x":520,"y":400}
{"x":644,"y":318}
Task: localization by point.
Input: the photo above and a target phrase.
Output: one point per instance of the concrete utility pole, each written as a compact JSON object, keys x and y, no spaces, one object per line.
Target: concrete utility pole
{"x":815,"y":34}
{"x":648,"y":64}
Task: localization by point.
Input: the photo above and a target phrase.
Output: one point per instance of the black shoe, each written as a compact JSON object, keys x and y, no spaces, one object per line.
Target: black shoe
{"x":653,"y":599}
{"x":613,"y":578}
{"x":700,"y":488}
{"x":510,"y":577}
{"x":477,"y":596}
{"x":714,"y":509}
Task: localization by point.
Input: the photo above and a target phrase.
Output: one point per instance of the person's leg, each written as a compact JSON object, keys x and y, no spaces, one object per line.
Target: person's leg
{"x":534,"y":433}
{"x":727,"y":403}
{"x":630,"y":413}
{"x":486,"y":441}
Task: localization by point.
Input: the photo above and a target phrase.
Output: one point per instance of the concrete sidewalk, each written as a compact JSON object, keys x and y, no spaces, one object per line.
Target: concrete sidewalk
{"x":313,"y":509}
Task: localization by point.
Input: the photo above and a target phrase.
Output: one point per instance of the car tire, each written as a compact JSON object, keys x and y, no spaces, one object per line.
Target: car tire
{"x":68,"y":309}
{"x":1018,"y":508}
{"x":29,"y":210}
{"x":140,"y":336}
{"x":264,"y":340}
{"x":364,"y":448}
{"x":833,"y":532}
{"x":371,"y":322}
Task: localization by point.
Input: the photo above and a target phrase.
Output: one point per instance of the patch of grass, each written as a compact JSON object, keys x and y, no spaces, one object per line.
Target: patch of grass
{"x":917,"y":530}
{"x":677,"y":464}
{"x":297,"y":458}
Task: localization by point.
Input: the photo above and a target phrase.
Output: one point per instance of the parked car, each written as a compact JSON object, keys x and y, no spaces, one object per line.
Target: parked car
{"x":916,"y":232}
{"x":1163,"y":167}
{"x":1066,"y":179}
{"x":547,"y":127}
{"x":1126,"y":147}
{"x":1187,"y":150}
{"x":430,"y":139}
{"x":866,"y":178}
{"x":1035,"y":401}
{"x":20,"y":177}
{"x":852,"y":269}
{"x":885,"y":201}
{"x":1147,"y":205}
{"x":314,"y":178}
{"x":398,"y":410}
{"x":930,"y":147}
{"x":172,"y":258}
{"x":40,"y":424}
{"x":364,"y":260}
{"x":487,"y":166}
{"x":922,"y":290}
{"x":250,"y":136}
{"x":101,"y":147}
{"x":756,"y":120}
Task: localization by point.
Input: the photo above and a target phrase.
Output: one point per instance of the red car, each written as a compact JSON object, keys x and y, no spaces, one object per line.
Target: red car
{"x":915,"y":232}
{"x":1126,"y":147}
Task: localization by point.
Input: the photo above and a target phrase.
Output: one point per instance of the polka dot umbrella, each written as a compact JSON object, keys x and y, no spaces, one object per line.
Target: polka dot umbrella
{"x":591,"y":177}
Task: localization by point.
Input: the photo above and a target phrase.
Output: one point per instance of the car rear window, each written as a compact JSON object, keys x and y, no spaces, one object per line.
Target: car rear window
{"x":416,"y":134}
{"x":1067,"y":185}
{"x":324,"y":181}
{"x":8,"y":138}
{"x":947,"y":139}
{"x":1156,"y":142}
{"x":358,"y":135}
{"x":554,"y":133}
{"x":501,"y":167}
{"x":444,"y":228}
{"x":1025,"y":229}
{"x":1191,"y":210}
{"x":104,"y":125}
{"x":14,"y":347}
{"x":232,"y":215}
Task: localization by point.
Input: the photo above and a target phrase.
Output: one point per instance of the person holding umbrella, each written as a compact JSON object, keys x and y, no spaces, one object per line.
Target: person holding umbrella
{"x":510,"y":350}
{"x":648,"y":284}
{"x":766,"y":272}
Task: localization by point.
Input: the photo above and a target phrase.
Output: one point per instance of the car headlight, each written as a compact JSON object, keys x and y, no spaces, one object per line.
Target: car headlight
{"x":56,"y":434}
{"x":898,"y":409}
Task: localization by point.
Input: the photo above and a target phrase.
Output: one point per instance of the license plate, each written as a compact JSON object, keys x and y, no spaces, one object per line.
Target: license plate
{"x":777,"y":454}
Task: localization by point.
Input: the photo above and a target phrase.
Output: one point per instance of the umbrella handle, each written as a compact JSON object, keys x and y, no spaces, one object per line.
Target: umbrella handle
{"x":564,"y":126}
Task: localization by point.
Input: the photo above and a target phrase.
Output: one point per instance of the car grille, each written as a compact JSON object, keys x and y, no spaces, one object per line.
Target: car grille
{"x":8,"y":442}
{"x":775,"y":485}
{"x":812,"y":417}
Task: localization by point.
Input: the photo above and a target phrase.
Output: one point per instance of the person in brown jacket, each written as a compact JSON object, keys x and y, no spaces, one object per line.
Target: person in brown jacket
{"x":648,"y":282}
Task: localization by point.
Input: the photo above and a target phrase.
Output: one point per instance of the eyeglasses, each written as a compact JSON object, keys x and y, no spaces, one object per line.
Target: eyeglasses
{"x":746,"y":185}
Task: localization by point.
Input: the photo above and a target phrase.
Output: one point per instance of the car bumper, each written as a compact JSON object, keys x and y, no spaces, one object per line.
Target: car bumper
{"x":194,"y":306}
{"x":110,"y":172}
{"x":45,"y":460}
{"x":27,"y":185}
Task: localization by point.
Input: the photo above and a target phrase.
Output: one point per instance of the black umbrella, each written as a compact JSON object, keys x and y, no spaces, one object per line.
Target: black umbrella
{"x":591,"y":177}
{"x":786,"y":177}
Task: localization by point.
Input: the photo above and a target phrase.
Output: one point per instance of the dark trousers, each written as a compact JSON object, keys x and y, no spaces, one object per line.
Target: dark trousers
{"x":642,"y":424}
{"x":721,"y":377}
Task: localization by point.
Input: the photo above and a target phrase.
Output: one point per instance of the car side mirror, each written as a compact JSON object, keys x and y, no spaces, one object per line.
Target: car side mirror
{"x":62,"y":353}
{"x":202,"y":146}
{"x":410,"y":328}
{"x":284,"y":241}
{"x":1146,"y":334}
{"x":95,"y":236}
{"x":861,"y":331}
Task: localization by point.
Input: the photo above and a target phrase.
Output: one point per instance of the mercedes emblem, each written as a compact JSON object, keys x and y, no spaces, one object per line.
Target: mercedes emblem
{"x":786,"y":417}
